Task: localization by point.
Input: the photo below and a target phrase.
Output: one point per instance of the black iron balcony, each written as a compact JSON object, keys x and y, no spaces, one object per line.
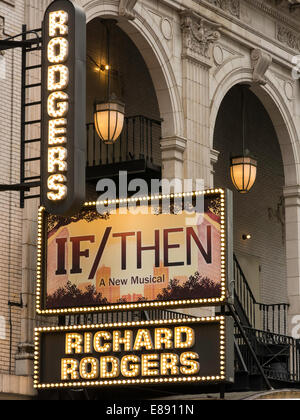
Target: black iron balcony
{"x":137,"y":151}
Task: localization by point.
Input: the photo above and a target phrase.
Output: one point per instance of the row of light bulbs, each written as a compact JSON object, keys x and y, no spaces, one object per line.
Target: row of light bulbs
{"x":189,"y":355}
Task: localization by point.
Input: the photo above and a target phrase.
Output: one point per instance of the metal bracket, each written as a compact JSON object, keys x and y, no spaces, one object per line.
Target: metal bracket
{"x":16,"y":304}
{"x":10,"y":43}
{"x":19,"y":187}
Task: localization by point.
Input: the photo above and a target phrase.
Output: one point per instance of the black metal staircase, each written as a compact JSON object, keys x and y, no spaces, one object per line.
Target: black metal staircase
{"x":265,"y":355}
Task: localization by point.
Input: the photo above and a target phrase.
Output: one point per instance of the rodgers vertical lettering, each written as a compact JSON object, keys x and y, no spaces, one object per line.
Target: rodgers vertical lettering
{"x":63,"y":119}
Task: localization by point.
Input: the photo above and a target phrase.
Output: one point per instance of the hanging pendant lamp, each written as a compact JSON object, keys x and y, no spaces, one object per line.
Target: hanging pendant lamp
{"x":243,"y":168}
{"x":109,"y":115}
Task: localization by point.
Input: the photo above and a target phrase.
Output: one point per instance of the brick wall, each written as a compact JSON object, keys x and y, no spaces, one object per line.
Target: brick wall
{"x":12,"y":13}
{"x":255,"y":213}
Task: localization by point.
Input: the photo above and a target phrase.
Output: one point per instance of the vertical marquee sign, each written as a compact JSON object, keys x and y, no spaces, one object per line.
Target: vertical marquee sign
{"x":63,"y":108}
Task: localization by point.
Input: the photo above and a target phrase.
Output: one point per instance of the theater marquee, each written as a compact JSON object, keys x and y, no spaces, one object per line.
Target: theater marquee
{"x":155,"y":352}
{"x":90,"y":263}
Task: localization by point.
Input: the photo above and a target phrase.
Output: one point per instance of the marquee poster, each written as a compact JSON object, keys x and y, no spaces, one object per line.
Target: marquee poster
{"x":131,"y":260}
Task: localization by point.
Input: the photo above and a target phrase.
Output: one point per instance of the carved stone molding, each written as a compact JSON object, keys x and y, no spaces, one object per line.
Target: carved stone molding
{"x":230,"y":6}
{"x":126,"y":9}
{"x":199,"y":35}
{"x":261,"y":62}
{"x":288,"y":37}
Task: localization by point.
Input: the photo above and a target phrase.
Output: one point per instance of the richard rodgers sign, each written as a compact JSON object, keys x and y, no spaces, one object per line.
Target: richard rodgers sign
{"x":172,"y":351}
{"x":63,"y":108}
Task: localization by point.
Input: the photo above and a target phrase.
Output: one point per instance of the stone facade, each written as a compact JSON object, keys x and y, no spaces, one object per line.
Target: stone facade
{"x":195,"y":52}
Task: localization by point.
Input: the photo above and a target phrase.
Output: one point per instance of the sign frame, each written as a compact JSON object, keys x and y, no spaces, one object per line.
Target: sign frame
{"x":63,"y":145}
{"x":225,"y":354}
{"x":226,"y":266}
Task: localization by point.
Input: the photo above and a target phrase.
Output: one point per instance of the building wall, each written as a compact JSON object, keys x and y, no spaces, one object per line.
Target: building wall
{"x":12,"y":16}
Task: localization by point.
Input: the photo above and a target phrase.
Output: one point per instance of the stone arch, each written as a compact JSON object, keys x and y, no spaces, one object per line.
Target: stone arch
{"x":281,"y":115}
{"x":277,"y":109}
{"x":156,"y":58}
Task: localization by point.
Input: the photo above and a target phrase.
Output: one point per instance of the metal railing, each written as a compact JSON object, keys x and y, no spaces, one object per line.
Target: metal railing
{"x":140,"y":139}
{"x":117,"y":317}
{"x":279,"y":355}
{"x":272,"y":318}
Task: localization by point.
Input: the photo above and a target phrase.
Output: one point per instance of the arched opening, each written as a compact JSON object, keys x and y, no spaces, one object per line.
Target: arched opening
{"x":138,"y":148}
{"x":259,"y":213}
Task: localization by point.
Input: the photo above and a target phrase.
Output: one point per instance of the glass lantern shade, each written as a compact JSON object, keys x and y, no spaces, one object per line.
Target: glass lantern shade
{"x":243,"y":171}
{"x":109,"y":121}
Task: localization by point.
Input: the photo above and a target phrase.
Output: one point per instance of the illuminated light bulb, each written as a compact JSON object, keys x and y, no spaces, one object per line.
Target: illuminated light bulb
{"x":55,"y":82}
{"x":58,"y":23}
{"x":93,"y":365}
{"x":163,"y":336}
{"x":169,"y":364}
{"x":150,"y":361}
{"x":56,"y":44}
{"x":126,"y":341}
{"x":143,"y":340}
{"x":190,"y":337}
{"x":69,"y":369}
{"x":74,"y":342}
{"x":88,"y":343}
{"x":56,"y":183}
{"x":130,"y":366}
{"x":99,"y":348}
{"x":115,"y":367}
{"x":57,"y":159}
{"x":190,"y":365}
{"x":58,"y":106}
{"x":56,"y":128}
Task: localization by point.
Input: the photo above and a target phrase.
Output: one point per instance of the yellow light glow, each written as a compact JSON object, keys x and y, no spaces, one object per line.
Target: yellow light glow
{"x":190,"y":364}
{"x":57,"y":131}
{"x":110,"y":367}
{"x":130,"y":366}
{"x":58,"y":50}
{"x":58,"y":23}
{"x":109,"y":121}
{"x":163,"y":338}
{"x":57,"y":189}
{"x":169,"y":364}
{"x":74,"y":342}
{"x":58,"y":105}
{"x":57,"y":159}
{"x":98,"y":346}
{"x":243,"y":173}
{"x":58,"y":77}
{"x":189,"y":335}
{"x":150,"y":365}
{"x":89,"y":368}
{"x":69,"y":369}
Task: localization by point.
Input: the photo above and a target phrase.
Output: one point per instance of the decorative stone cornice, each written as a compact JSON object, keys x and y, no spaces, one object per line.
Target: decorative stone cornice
{"x":199,"y":35}
{"x":230,"y":6}
{"x":288,"y":37}
{"x":126,"y":9}
{"x":261,"y":62}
